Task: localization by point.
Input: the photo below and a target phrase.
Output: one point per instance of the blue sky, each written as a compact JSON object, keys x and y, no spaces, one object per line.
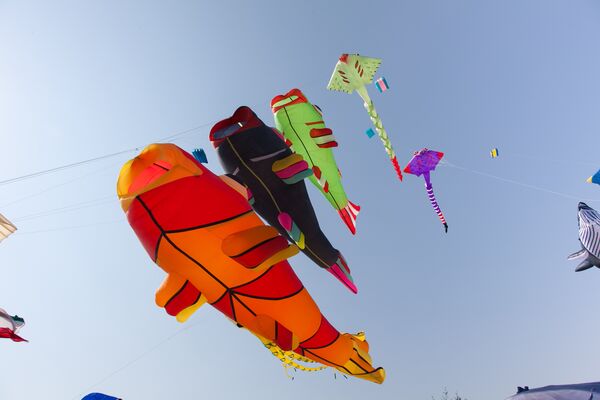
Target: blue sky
{"x":491,"y":305}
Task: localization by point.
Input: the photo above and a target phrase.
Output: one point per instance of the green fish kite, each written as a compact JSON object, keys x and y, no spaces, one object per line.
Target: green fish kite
{"x":303,"y":129}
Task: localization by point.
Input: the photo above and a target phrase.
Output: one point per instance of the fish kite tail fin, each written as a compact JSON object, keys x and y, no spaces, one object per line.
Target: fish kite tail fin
{"x":292,"y":229}
{"x":341,"y":272}
{"x":349,"y":214}
{"x":10,"y":334}
{"x":360,"y":364}
{"x":397,"y":168}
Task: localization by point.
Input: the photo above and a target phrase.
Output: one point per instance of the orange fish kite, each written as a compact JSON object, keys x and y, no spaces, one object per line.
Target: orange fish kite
{"x":200,"y":229}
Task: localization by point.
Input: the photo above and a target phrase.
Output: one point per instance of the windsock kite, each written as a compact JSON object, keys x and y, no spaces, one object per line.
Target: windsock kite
{"x":200,"y":229}
{"x":302,"y":126}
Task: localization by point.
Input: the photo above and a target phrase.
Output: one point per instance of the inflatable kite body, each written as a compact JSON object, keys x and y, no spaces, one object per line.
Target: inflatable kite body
{"x":589,"y":237}
{"x":302,"y":126}
{"x":352,"y":73}
{"x":422,"y":163}
{"x":200,"y":229}
{"x":10,"y":325}
{"x":580,"y":391}
{"x":99,"y":396}
{"x":257,"y":156}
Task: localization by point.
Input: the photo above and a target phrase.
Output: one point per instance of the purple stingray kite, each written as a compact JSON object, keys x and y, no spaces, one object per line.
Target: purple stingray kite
{"x":423,"y":162}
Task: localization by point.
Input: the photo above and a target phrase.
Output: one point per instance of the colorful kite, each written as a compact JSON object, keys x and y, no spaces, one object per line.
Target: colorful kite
{"x":579,"y":391}
{"x":200,"y":229}
{"x":99,"y":396}
{"x":10,"y":325}
{"x":353,"y":73}
{"x":494,"y":153}
{"x":302,"y":125}
{"x":6,"y":228}
{"x":200,"y":155}
{"x":422,"y":163}
{"x":595,"y":178}
{"x":589,"y":238}
{"x":381,"y":85}
{"x":258,"y":157}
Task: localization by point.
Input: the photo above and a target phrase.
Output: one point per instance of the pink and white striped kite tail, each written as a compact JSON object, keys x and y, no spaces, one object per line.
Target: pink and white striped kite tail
{"x":436,"y":207}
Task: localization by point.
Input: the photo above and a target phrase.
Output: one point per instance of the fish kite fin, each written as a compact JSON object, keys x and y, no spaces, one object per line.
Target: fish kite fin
{"x":585,"y":264}
{"x":10,"y":334}
{"x":323,"y":137}
{"x":258,"y":247}
{"x":292,"y":229}
{"x":360,"y":362}
{"x":577,"y":254}
{"x":349,"y":214}
{"x":321,"y":179}
{"x":233,"y":182}
{"x":179,"y":297}
{"x":291,"y":169}
{"x":341,"y":271}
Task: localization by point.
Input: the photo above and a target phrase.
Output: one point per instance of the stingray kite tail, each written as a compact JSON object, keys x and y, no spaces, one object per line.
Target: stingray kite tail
{"x":436,"y":207}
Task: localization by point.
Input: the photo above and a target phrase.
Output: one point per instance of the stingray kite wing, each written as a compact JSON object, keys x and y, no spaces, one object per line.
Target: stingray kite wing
{"x":352,"y":72}
{"x":6,"y":228}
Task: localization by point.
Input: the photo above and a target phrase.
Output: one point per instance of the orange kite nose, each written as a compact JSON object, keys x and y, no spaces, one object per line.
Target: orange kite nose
{"x":344,"y":58}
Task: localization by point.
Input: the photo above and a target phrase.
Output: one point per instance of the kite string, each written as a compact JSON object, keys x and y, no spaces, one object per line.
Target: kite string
{"x":514,"y":182}
{"x":91,"y":160}
{"x":136,"y":359}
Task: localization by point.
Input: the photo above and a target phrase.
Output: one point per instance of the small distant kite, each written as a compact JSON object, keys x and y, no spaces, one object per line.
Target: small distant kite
{"x":99,"y":396}
{"x":6,"y":228}
{"x":580,"y":391}
{"x":370,"y":133}
{"x":381,"y":85}
{"x":352,"y":73}
{"x":200,"y":155}
{"x":594,"y":178}
{"x":422,"y":163}
{"x":494,"y":153}
{"x":10,"y":325}
{"x":589,"y":237}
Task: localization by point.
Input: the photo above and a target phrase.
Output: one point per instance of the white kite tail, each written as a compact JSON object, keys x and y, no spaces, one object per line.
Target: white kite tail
{"x":435,"y":206}
{"x":370,"y":107}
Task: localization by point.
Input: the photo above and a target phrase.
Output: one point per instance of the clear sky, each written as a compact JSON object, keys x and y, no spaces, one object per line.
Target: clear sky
{"x":491,"y":305}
